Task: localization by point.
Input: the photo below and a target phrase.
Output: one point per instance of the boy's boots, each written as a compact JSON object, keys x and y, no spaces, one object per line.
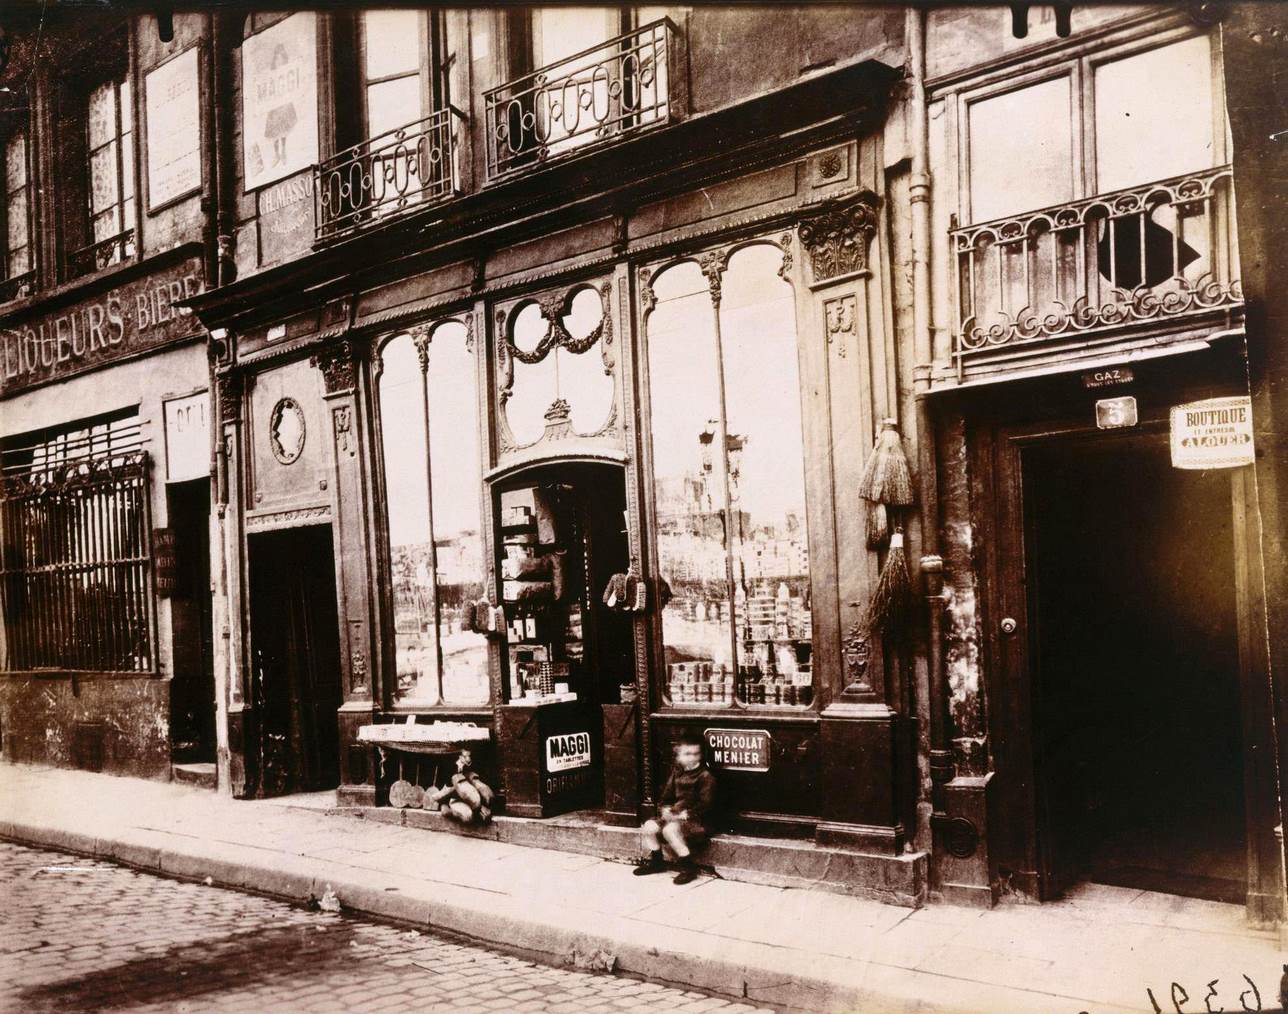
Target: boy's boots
{"x":688,"y":870}
{"x":653,"y":864}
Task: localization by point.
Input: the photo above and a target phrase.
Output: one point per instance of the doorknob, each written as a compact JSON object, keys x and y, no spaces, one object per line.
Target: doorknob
{"x":1008,"y":626}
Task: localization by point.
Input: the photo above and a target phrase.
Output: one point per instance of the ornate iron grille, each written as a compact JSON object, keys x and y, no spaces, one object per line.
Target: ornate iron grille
{"x":104,"y":253}
{"x":387,"y":175}
{"x":1145,"y":255}
{"x":623,"y":85}
{"x":75,"y":569}
{"x":17,"y":287}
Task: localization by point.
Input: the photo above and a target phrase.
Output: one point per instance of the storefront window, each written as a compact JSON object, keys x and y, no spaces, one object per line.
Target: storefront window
{"x":728,"y":472}
{"x":427,"y":386}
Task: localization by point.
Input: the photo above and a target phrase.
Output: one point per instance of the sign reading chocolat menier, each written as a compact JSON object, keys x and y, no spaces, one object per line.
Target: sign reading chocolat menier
{"x":136,"y":316}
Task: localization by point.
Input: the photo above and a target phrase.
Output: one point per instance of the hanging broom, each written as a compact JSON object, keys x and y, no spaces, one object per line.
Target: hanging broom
{"x":885,"y":477}
{"x":894,"y":587}
{"x":878,"y":525}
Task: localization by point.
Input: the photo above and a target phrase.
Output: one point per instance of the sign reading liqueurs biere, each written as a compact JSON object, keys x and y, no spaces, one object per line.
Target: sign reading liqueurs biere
{"x":1215,"y":433}
{"x":133,"y":317}
{"x":738,"y":749}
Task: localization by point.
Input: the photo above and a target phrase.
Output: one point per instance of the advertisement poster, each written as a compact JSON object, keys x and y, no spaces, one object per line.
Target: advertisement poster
{"x":174,"y":130}
{"x":280,"y":100}
{"x":1215,"y":433}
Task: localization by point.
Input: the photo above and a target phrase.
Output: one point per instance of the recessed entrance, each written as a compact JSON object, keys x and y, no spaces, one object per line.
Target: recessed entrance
{"x":1134,"y":663}
{"x":295,"y":663}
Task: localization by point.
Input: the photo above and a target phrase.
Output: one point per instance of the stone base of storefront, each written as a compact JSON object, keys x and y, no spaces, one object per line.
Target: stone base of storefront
{"x":896,"y":880}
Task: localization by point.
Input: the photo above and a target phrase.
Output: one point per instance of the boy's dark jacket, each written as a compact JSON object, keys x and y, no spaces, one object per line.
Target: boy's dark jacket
{"x":692,"y":792}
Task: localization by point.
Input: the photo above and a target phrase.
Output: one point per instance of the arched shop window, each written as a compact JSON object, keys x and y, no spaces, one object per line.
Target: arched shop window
{"x":433,"y":477}
{"x":729,"y":481}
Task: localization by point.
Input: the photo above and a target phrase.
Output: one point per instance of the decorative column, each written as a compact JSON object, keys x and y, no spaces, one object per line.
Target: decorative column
{"x":864,"y":741}
{"x":231,"y":666}
{"x":346,"y":402}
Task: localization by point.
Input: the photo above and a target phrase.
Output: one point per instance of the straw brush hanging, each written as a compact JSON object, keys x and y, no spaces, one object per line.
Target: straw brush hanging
{"x":886,"y":487}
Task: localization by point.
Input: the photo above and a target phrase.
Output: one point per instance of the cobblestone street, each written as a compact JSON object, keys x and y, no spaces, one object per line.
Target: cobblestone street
{"x":77,"y":935}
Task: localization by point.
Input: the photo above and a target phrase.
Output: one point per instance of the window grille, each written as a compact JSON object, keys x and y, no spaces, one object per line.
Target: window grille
{"x":75,"y":561}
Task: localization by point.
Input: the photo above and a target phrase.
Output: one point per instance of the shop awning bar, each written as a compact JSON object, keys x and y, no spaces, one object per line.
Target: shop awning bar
{"x":388,"y":175}
{"x":593,"y":97}
{"x":1155,"y":253}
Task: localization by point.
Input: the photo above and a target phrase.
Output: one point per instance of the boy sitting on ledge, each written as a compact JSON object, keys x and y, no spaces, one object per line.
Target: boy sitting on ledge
{"x":685,"y":813}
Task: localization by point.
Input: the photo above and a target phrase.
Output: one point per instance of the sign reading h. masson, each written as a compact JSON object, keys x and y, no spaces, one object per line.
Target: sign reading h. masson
{"x":134,"y":317}
{"x":1216,"y":433}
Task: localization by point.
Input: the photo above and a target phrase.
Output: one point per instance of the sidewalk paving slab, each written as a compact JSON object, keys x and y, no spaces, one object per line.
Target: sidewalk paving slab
{"x":1097,"y":951}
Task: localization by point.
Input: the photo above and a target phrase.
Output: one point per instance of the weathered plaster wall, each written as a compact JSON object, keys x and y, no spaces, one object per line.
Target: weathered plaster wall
{"x":55,"y":720}
{"x":962,"y":633}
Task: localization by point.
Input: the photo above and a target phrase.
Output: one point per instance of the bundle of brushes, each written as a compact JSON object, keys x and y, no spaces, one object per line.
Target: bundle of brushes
{"x":886,"y":488}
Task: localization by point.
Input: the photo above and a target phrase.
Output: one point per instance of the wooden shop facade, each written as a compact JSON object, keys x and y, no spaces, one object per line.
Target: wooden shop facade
{"x":561,"y":450}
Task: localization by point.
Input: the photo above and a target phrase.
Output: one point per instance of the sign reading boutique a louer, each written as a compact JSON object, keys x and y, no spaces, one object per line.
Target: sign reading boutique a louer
{"x":138,"y":315}
{"x":1215,"y":433}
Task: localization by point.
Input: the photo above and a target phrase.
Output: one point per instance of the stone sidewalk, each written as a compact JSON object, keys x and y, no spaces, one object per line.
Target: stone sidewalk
{"x":1103,"y":949}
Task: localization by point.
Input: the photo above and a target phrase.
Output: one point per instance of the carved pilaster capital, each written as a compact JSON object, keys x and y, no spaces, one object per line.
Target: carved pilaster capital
{"x":420,"y":338}
{"x":837,"y":238}
{"x":229,"y":387}
{"x":339,"y":366}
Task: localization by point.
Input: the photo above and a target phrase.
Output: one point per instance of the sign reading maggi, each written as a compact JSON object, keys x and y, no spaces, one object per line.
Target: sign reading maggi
{"x":137,"y":316}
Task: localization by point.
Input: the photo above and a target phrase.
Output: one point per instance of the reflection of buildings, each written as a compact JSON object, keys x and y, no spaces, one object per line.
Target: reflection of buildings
{"x":770,"y":558}
{"x":460,"y":570}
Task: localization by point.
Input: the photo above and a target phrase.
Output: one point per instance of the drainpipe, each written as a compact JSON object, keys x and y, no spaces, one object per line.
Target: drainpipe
{"x":932,"y":565}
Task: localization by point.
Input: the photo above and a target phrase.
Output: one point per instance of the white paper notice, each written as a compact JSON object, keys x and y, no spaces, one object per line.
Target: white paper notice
{"x":1215,"y":433}
{"x":174,"y":130}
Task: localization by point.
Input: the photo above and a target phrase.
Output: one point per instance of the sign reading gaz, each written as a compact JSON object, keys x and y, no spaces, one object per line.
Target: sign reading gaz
{"x":1216,"y":433}
{"x":571,"y":750}
{"x":738,"y":749}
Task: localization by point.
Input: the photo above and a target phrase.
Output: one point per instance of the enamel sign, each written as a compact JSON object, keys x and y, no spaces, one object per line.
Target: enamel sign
{"x":571,"y":750}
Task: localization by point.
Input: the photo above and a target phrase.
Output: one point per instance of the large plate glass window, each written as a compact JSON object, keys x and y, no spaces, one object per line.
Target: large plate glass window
{"x":729,"y":481}
{"x":433,"y":480}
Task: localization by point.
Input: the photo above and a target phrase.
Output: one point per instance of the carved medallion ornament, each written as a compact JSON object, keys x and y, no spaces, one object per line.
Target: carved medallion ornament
{"x":286,"y":431}
{"x":837,"y":239}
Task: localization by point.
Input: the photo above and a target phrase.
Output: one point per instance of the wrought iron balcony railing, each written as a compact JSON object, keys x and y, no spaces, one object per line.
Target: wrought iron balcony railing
{"x":1149,"y":254}
{"x":388,"y":175}
{"x":17,"y":286}
{"x":100,"y":255}
{"x":624,"y":85}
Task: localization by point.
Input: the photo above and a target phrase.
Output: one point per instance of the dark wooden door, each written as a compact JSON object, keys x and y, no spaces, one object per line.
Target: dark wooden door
{"x":1113,"y":623}
{"x":296,"y":646}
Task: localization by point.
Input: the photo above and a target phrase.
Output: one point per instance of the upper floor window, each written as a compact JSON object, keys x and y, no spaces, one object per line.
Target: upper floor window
{"x":433,"y":480}
{"x":1094,"y":128}
{"x":96,"y":163}
{"x":18,"y":260}
{"x":399,"y":67}
{"x":110,"y":136}
{"x":729,"y":482}
{"x":579,"y":75}
{"x":1098,"y":199}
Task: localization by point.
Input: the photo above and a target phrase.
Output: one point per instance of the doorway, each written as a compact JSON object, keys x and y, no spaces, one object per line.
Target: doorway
{"x":192,"y":688}
{"x":1134,"y":666}
{"x":295,"y":663}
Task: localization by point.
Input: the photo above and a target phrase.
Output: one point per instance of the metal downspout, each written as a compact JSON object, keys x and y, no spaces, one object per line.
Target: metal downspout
{"x":932,"y":565}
